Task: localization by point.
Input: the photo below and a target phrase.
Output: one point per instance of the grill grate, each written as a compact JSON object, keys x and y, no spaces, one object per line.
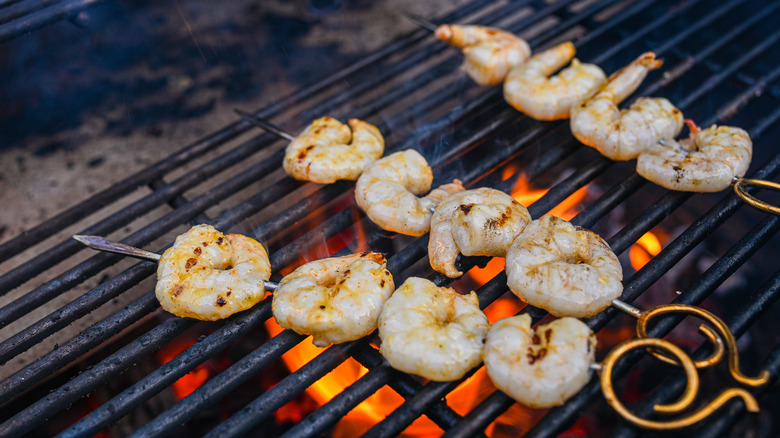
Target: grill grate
{"x":485,"y":128}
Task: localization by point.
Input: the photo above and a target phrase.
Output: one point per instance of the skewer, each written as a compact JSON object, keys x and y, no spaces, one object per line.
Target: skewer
{"x":420,"y":21}
{"x":264,"y":124}
{"x":103,"y":244}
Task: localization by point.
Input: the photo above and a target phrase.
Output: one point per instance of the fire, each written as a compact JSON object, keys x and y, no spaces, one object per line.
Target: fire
{"x":193,"y":380}
{"x":467,"y":395}
{"x":647,"y":247}
{"x":525,"y":194}
{"x":376,"y":407}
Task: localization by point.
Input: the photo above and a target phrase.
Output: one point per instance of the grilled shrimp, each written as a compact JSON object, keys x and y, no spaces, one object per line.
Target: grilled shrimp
{"x":208,"y":275}
{"x":707,"y":161}
{"x":543,"y":367}
{"x":490,"y":53}
{"x":566,"y":270}
{"x":336,"y":299}
{"x":432,"y":331}
{"x":530,"y":89}
{"x":327,"y":150}
{"x":475,"y":222}
{"x":387,"y":191}
{"x":624,"y":134}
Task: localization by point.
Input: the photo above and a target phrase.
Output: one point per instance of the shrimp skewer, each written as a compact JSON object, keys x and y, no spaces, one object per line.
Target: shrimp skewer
{"x":490,"y":53}
{"x":336,"y":299}
{"x":566,"y":270}
{"x":482,"y":221}
{"x":530,"y":89}
{"x":624,"y":134}
{"x":432,"y":331}
{"x":327,"y":150}
{"x":707,"y":161}
{"x":543,"y":367}
{"x":208,"y":275}
{"x":387,"y":191}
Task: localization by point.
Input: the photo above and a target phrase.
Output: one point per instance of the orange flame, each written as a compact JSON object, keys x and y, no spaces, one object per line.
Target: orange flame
{"x":525,"y":194}
{"x":647,"y":247}
{"x":467,"y":395}
{"x":191,"y":381}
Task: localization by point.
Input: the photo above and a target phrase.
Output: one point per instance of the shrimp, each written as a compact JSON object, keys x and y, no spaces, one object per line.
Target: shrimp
{"x":566,"y":270}
{"x":539,"y":368}
{"x":208,"y":275}
{"x":624,"y":134}
{"x":490,"y":53}
{"x":432,"y":331}
{"x":707,"y":161}
{"x":327,"y":150}
{"x":387,"y":191}
{"x":475,"y":222}
{"x":336,"y":299}
{"x":530,"y":89}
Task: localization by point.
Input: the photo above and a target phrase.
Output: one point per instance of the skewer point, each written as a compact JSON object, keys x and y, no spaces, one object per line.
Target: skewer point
{"x":251,"y":118}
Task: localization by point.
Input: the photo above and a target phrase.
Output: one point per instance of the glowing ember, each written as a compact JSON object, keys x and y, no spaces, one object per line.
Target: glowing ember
{"x":647,"y":247}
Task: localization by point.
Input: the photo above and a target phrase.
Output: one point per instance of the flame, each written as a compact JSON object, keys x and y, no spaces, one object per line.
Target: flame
{"x":525,"y":194}
{"x":191,"y":381}
{"x":375,"y":408}
{"x":647,"y":247}
{"x":462,"y":399}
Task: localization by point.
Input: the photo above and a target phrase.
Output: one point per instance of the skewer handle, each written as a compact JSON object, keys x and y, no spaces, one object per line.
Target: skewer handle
{"x":739,"y":188}
{"x":264,"y":124}
{"x":103,"y":244}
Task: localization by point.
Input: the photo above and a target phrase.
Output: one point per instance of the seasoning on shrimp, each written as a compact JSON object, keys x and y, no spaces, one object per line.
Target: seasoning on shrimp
{"x":539,"y":368}
{"x":475,"y":222}
{"x":566,"y":270}
{"x":707,"y":161}
{"x":530,"y":89}
{"x":335,"y":300}
{"x":432,"y":331}
{"x":328,"y":150}
{"x":490,"y":53}
{"x":208,"y":275}
{"x":624,"y":134}
{"x":387,"y":191}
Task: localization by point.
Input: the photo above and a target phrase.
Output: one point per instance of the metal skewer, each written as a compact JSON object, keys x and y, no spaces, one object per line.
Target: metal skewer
{"x":264,"y":124}
{"x":420,"y":21}
{"x":103,"y":244}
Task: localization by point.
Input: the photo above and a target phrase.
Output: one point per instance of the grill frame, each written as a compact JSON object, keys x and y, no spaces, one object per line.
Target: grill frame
{"x":421,"y":399}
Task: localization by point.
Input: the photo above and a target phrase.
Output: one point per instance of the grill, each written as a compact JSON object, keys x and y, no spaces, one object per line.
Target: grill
{"x":719,"y":68}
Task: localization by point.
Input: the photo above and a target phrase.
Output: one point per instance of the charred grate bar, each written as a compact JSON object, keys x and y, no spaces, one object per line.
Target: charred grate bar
{"x":475,"y":125}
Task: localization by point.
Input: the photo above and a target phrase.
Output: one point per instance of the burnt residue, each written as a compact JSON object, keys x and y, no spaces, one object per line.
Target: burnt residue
{"x":466,"y":208}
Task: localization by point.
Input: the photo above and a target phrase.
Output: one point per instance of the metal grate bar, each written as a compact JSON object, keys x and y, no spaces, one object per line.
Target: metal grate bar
{"x":62,"y":397}
{"x":756,"y":305}
{"x":51,"y":362}
{"x":595,"y":168}
{"x":43,"y":17}
{"x":715,"y":275}
{"x":171,"y":371}
{"x":194,"y":150}
{"x":559,"y":417}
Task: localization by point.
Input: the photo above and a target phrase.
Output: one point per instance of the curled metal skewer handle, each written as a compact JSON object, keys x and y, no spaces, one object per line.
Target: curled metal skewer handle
{"x":264,"y":124}
{"x":606,"y":368}
{"x":739,"y":188}
{"x":103,"y":244}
